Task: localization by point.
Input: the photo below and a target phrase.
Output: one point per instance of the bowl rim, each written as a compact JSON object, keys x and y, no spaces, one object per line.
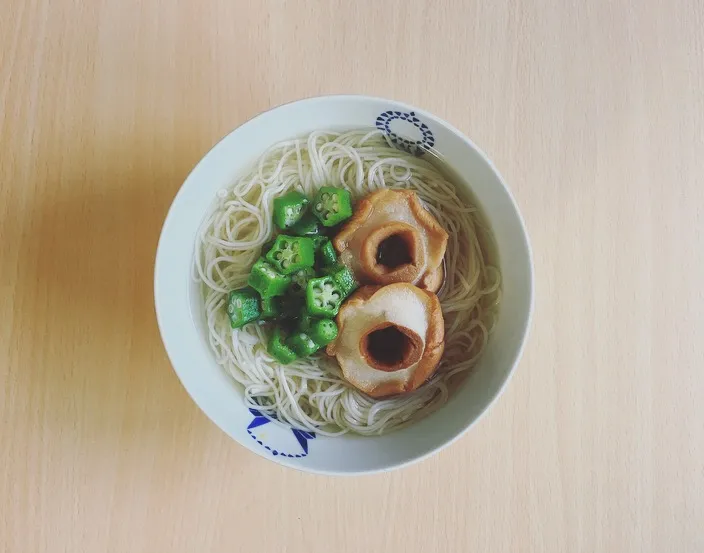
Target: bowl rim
{"x":525,"y":331}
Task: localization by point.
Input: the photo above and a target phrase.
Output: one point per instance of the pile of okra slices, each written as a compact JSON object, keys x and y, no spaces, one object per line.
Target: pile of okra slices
{"x":298,"y":283}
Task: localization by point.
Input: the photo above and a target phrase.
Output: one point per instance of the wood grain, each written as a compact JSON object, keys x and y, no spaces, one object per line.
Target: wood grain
{"x":593,"y":111}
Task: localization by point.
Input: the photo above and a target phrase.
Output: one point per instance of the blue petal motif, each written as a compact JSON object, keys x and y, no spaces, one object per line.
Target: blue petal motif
{"x":415,"y":147}
{"x":302,"y":436}
{"x":258,"y":421}
{"x":301,"y":439}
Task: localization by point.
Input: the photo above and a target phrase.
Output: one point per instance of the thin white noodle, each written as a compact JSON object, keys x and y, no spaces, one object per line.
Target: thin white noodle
{"x":311,"y":393}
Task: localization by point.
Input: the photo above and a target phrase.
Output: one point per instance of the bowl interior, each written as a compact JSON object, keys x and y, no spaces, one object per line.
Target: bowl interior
{"x":180,"y":313}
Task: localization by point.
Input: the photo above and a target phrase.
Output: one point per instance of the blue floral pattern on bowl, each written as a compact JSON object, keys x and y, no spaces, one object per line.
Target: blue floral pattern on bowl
{"x":290,"y":442}
{"x":406,"y":131}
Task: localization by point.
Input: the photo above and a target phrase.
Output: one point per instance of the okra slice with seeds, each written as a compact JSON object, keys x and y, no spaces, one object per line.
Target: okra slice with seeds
{"x":278,"y":348}
{"x":266,"y":280}
{"x":291,"y":253}
{"x":323,"y":297}
{"x":243,"y":307}
{"x":332,"y":205}
{"x":343,"y":277}
{"x":323,"y":331}
{"x":302,"y":344}
{"x":289,"y":209}
{"x":308,"y":225}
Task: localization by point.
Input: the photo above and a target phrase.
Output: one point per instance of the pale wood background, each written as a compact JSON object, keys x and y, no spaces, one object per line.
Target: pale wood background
{"x":593,"y":111}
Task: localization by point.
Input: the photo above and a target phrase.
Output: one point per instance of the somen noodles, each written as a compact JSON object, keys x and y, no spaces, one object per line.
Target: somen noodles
{"x":311,"y":393}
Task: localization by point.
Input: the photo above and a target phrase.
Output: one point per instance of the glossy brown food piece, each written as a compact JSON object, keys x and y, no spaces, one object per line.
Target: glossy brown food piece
{"x":392,"y":238}
{"x":378,"y":315}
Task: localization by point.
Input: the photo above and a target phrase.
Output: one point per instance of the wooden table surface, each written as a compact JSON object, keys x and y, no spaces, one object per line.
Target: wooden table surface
{"x":594,"y":113}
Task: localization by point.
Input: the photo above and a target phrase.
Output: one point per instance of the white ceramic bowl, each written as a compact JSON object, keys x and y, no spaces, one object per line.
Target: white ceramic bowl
{"x":180,"y":313}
